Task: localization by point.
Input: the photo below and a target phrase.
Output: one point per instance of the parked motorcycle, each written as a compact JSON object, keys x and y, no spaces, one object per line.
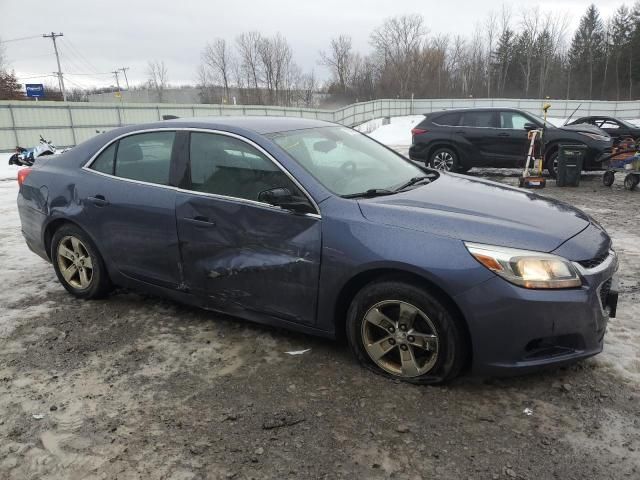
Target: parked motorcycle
{"x":26,"y":157}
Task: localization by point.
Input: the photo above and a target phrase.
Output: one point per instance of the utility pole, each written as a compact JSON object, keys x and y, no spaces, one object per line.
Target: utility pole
{"x":53,"y":37}
{"x":116,"y":73}
{"x":124,"y":72}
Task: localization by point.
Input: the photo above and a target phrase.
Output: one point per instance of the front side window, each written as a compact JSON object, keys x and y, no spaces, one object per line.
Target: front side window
{"x":513,"y":120}
{"x":228,"y":166}
{"x":346,"y":162}
{"x":145,"y":157}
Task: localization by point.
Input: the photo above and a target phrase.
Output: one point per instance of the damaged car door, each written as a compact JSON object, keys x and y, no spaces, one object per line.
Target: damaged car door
{"x":244,"y":254}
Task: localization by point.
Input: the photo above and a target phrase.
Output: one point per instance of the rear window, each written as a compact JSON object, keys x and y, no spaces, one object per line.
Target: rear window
{"x":478,"y":119}
{"x":449,"y":119}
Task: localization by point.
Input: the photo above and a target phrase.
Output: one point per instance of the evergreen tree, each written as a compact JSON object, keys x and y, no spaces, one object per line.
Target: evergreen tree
{"x":621,"y":33}
{"x":10,"y":89}
{"x":587,"y":51}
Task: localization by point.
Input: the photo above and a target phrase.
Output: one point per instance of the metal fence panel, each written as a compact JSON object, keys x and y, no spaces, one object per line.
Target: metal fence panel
{"x":69,"y":123}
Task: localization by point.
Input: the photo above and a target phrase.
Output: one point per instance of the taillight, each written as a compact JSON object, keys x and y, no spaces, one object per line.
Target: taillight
{"x":418,"y":131}
{"x":22,"y":175}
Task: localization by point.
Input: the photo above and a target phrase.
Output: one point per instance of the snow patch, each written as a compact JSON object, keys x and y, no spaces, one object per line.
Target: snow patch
{"x":26,"y":279}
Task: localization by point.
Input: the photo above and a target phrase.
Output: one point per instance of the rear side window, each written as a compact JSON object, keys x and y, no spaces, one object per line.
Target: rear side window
{"x":228,"y":166}
{"x":105,"y":161}
{"x":145,"y":157}
{"x":478,"y":119}
{"x":449,"y":119}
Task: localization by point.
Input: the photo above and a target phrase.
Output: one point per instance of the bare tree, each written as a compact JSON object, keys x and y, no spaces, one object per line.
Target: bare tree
{"x":249,"y":51}
{"x":530,"y":28}
{"x":397,"y":42}
{"x":3,"y":57}
{"x":308,"y":86}
{"x":490,"y":29}
{"x":551,"y":42}
{"x":157,"y":72}
{"x":218,"y":57}
{"x":338,"y":60}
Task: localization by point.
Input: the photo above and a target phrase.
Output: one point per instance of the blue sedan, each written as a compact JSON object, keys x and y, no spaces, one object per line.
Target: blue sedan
{"x":312,"y":226}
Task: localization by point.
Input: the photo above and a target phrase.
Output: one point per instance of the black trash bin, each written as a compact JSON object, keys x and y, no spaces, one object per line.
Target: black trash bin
{"x":570,"y":161}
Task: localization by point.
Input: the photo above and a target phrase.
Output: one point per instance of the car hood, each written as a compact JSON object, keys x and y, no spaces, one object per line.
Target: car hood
{"x":584,"y":127}
{"x":479,"y":211}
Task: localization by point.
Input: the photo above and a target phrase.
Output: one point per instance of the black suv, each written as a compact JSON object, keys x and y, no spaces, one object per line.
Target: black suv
{"x":457,"y":140}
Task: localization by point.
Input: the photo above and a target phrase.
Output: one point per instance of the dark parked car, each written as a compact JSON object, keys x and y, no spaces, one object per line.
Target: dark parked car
{"x":316,"y":227}
{"x":457,"y":140}
{"x":615,"y":127}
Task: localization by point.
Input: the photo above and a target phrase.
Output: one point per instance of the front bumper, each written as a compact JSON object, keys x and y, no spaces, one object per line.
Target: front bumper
{"x":516,"y":330}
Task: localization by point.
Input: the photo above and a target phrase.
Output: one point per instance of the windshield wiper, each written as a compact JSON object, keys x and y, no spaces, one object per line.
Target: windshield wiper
{"x":372,"y":192}
{"x":412,"y":182}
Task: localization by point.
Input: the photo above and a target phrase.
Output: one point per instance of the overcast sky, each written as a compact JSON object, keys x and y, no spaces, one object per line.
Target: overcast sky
{"x":102,"y":36}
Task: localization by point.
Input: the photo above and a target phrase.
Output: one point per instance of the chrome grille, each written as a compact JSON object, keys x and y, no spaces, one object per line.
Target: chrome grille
{"x":595,"y":261}
{"x":605,"y":288}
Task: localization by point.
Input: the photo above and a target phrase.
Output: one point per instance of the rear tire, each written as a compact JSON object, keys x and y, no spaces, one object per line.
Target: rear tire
{"x":631,"y":181}
{"x":444,"y":159}
{"x":401,"y":331}
{"x":78,"y":264}
{"x":608,"y":178}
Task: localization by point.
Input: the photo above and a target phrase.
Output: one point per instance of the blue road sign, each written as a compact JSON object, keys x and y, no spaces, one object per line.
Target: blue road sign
{"x":35,"y":90}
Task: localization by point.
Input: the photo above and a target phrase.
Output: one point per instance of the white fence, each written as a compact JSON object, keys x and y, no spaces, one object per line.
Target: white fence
{"x":66,"y":124}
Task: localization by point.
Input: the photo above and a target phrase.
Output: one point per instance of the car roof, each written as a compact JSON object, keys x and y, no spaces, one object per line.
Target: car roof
{"x":477,"y":109}
{"x":257,"y":124}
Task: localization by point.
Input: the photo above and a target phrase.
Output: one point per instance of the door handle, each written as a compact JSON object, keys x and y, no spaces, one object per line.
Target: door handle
{"x":98,"y":201}
{"x":460,"y":132}
{"x":200,"y":221}
{"x":504,"y":135}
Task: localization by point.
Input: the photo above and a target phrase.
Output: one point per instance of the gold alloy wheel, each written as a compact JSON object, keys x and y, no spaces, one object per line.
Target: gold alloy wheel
{"x":75,"y":263}
{"x":400,"y":338}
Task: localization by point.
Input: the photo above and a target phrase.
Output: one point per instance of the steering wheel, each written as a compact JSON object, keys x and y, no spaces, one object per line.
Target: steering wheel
{"x":348,"y":168}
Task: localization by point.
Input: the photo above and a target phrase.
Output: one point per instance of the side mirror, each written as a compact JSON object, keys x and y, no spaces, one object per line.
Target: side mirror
{"x":283,"y":198}
{"x":530,"y":126}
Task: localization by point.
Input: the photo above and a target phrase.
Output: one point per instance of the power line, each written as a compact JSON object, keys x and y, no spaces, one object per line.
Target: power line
{"x":53,"y":37}
{"x":80,"y":56}
{"x":21,"y":38}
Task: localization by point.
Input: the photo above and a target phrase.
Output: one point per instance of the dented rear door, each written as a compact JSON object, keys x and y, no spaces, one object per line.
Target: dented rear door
{"x":250,"y":258}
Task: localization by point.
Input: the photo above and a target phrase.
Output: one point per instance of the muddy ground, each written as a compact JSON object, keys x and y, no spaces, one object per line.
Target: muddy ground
{"x":138,"y":387}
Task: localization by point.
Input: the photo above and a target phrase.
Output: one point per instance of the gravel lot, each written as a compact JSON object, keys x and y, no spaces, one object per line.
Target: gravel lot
{"x":138,"y":387}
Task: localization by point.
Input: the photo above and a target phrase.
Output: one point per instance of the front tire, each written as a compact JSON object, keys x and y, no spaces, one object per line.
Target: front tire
{"x":402,"y":331}
{"x":78,"y":264}
{"x":551,"y":164}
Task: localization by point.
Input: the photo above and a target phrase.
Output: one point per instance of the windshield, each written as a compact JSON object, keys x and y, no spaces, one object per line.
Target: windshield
{"x":627,"y":124}
{"x":347,"y":162}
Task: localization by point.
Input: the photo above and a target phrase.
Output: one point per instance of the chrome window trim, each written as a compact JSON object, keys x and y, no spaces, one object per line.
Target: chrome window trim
{"x":87,"y":167}
{"x":492,"y":128}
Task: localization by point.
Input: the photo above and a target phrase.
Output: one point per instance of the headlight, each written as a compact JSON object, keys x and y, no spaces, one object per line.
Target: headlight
{"x":527,"y":269}
{"x":595,"y":136}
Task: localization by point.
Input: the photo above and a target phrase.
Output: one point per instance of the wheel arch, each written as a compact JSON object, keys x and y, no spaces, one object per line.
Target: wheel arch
{"x":356,"y":283}
{"x":443,"y":144}
{"x":53,"y":226}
